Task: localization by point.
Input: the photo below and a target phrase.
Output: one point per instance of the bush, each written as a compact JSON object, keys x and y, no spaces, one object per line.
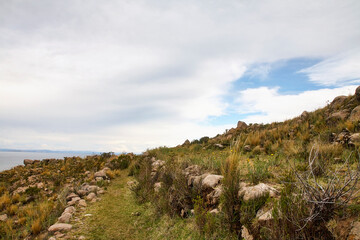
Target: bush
{"x":258,"y":170}
{"x":122,"y":162}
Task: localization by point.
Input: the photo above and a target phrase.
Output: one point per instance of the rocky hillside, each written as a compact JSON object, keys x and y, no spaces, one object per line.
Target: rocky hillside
{"x":297,"y":179}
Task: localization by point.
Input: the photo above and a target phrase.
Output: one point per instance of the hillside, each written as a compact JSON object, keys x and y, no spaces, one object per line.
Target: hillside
{"x":296,"y":179}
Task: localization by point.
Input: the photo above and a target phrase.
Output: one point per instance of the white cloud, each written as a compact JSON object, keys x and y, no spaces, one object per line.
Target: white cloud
{"x":84,"y":70}
{"x":342,"y":69}
{"x":265,"y":105}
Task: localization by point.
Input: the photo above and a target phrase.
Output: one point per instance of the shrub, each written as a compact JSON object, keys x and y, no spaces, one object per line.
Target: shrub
{"x":122,"y":162}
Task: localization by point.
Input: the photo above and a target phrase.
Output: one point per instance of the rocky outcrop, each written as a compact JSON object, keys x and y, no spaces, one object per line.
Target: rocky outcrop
{"x":357,"y":94}
{"x":338,"y":116}
{"x":28,"y":162}
{"x":241,"y":125}
{"x":355,"y":114}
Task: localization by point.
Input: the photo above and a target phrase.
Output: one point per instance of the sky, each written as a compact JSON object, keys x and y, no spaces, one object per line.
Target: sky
{"x":126,"y":76}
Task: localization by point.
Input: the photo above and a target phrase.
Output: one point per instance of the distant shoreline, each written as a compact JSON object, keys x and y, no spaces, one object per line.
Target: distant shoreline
{"x":47,"y":151}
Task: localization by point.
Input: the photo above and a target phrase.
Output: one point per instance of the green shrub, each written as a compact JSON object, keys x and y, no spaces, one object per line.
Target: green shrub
{"x":258,"y":170}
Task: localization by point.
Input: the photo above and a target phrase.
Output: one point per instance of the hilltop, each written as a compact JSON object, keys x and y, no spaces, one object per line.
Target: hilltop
{"x":296,"y":179}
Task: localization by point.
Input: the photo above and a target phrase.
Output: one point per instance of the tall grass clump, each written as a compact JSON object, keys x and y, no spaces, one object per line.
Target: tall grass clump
{"x":231,"y":184}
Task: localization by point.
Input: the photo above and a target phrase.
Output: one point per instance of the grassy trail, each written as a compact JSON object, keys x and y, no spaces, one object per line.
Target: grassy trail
{"x":112,"y":218}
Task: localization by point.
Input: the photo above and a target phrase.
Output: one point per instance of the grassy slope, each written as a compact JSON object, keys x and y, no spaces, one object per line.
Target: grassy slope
{"x":112,"y":218}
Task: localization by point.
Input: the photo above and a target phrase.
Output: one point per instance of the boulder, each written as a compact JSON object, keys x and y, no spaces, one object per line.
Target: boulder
{"x":355,"y":232}
{"x":357,"y":93}
{"x":156,"y":165}
{"x":264,"y":216}
{"x":214,"y":211}
{"x":259,"y":190}
{"x":241,"y":125}
{"x":82,"y":203}
{"x":193,"y":170}
{"x":100,"y":174}
{"x":211,"y":181}
{"x":355,"y":114}
{"x":214,"y":197}
{"x":245,"y":234}
{"x":338,"y":102}
{"x":3,"y":217}
{"x":338,"y":116}
{"x":247,"y":148}
{"x":70,"y":210}
{"x":82,"y":192}
{"x":354,"y":138}
{"x":71,"y":196}
{"x":157,"y":186}
{"x":218,"y":145}
{"x":28,"y":162}
{"x":59,"y":227}
{"x":196,"y":181}
{"x":91,"y":196}
{"x":65,"y":217}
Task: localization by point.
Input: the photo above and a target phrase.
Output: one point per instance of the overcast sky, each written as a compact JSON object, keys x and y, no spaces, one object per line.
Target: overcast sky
{"x":131,"y":75}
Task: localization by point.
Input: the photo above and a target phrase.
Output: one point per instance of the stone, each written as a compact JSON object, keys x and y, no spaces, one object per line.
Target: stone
{"x":100,"y":173}
{"x":91,"y":196}
{"x":211,"y":181}
{"x":193,"y":170}
{"x":82,"y":237}
{"x":135,"y":214}
{"x":71,"y":196}
{"x":82,"y":203}
{"x":99,"y":179}
{"x":355,"y":114}
{"x":70,"y":210}
{"x":52,"y":238}
{"x":82,"y":192}
{"x":355,"y":138}
{"x":355,"y":232}
{"x":40,"y":185}
{"x":357,"y":93}
{"x":214,"y":196}
{"x":132,"y":184}
{"x":28,"y":162}
{"x":157,"y":165}
{"x":59,"y":227}
{"x":214,"y":211}
{"x":157,"y":186}
{"x":245,"y":234}
{"x":247,"y":148}
{"x":241,"y":125}
{"x":65,"y":217}
{"x":338,"y":116}
{"x":186,"y":143}
{"x":259,"y":190}
{"x":263,"y":216}
{"x":218,"y":145}
{"x":88,"y":215}
{"x":3,"y":217}
{"x":338,"y":102}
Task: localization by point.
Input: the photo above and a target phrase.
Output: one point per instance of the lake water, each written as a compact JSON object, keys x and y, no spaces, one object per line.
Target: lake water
{"x":12,"y":159}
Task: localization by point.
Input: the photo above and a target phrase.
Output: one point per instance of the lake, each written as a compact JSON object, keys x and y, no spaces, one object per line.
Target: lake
{"x":12,"y":159}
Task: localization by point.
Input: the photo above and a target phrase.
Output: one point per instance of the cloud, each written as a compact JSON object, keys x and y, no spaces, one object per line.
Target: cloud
{"x":80,"y":74}
{"x":266,"y":105}
{"x":342,"y":69}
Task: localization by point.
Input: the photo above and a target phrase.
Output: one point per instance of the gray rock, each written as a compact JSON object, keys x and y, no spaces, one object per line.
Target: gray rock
{"x":157,"y":186}
{"x":28,"y":162}
{"x":247,"y":148}
{"x":82,"y":203}
{"x":91,"y":196}
{"x":71,"y":196}
{"x":355,"y":114}
{"x":214,"y":211}
{"x":211,"y":181}
{"x":100,"y":173}
{"x":241,"y":125}
{"x":59,"y":227}
{"x":357,"y":93}
{"x":65,"y":217}
{"x":259,"y":190}
{"x":245,"y":234}
{"x":70,"y":210}
{"x":3,"y":217}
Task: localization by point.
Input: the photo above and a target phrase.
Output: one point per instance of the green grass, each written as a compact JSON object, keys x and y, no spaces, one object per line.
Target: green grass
{"x":112,"y":218}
